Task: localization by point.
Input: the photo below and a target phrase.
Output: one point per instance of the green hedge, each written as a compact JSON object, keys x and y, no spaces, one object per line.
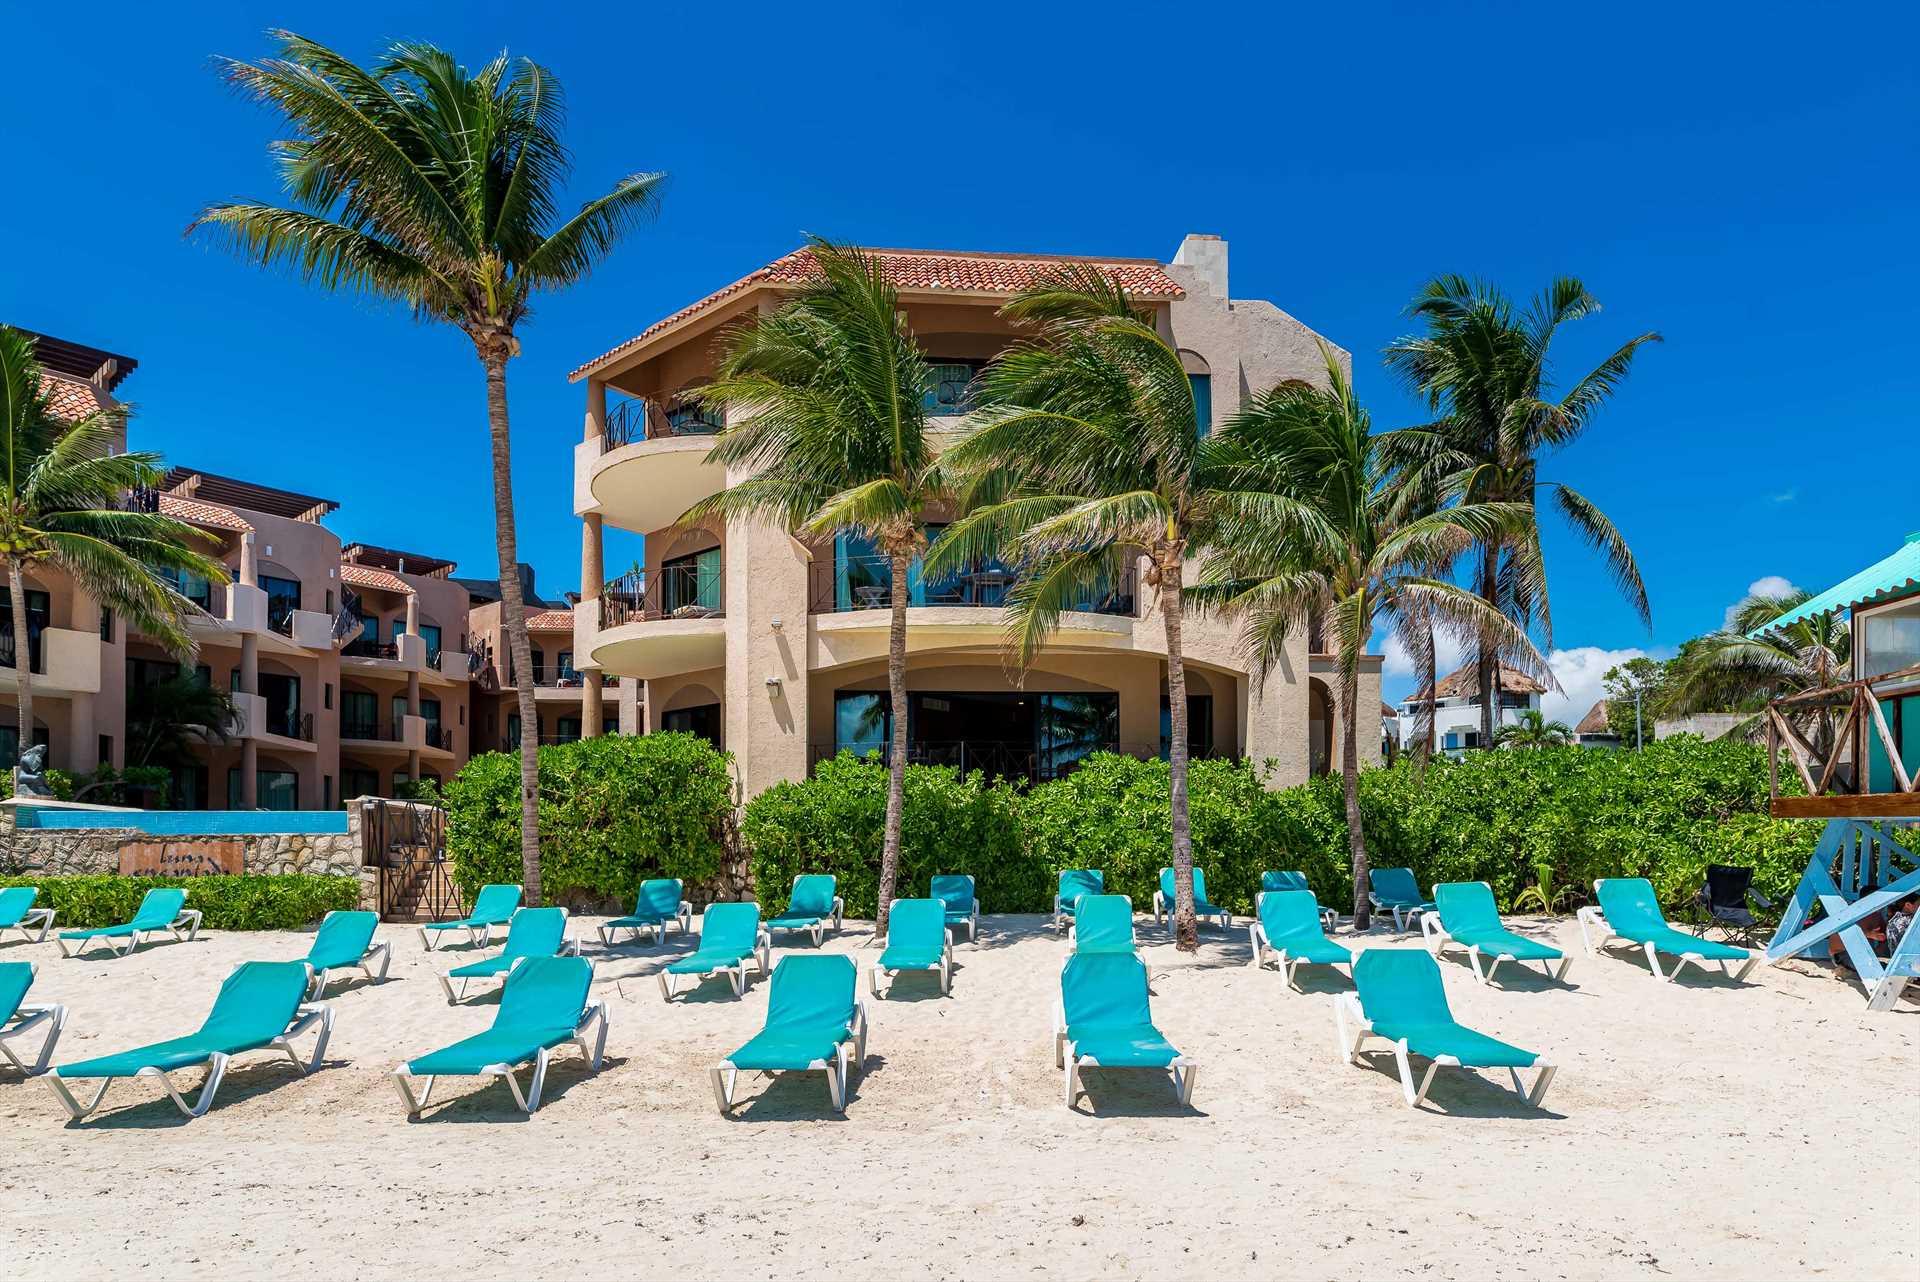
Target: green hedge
{"x":614,"y":810}
{"x":1498,"y":817}
{"x":833,"y":821}
{"x":290,"y":902}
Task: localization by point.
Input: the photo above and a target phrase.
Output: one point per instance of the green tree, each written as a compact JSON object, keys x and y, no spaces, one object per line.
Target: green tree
{"x":1642,"y":677}
{"x":1088,"y":461}
{"x":165,"y":718}
{"x":1531,"y":729}
{"x":827,"y":400}
{"x":1744,"y":666}
{"x":419,"y":182}
{"x":1484,"y":366}
{"x":1339,"y":544}
{"x":61,"y":506}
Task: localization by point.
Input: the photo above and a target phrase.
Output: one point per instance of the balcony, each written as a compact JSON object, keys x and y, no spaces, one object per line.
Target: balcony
{"x":1006,"y":759}
{"x":63,"y":661}
{"x":286,"y":728}
{"x":846,"y":584}
{"x":1852,"y":747}
{"x":648,"y":467}
{"x":674,"y":622}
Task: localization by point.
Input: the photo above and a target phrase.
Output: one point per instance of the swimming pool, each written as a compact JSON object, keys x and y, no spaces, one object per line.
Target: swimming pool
{"x":184,"y":822}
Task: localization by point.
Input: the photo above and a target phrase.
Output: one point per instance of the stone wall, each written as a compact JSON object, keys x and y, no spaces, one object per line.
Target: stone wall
{"x":75,"y":852}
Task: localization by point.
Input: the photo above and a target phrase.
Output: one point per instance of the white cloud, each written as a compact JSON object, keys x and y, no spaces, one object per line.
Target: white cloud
{"x":1397,"y":662}
{"x":1582,"y":672}
{"x":1765,"y":585}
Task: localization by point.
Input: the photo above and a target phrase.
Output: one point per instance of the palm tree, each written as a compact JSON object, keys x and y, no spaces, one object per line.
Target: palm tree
{"x":164,"y":718}
{"x":61,"y":506}
{"x":419,"y":182}
{"x":828,"y":399}
{"x":1353,"y":555}
{"x":1731,"y":669}
{"x":1088,"y":460}
{"x":1484,"y":366}
{"x":1531,"y":729}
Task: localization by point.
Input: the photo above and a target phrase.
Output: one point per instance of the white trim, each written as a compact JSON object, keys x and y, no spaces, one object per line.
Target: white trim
{"x":189,"y":920}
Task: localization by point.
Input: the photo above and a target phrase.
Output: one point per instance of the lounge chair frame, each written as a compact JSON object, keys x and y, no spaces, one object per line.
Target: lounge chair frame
{"x":1403,"y":914}
{"x":736,"y":974}
{"x":305,"y":1018}
{"x":1436,"y":939}
{"x":29,"y":1016}
{"x":1264,"y":947}
{"x":682,"y":917}
{"x":944,"y":966}
{"x":725,"y":1077}
{"x":1592,"y":920}
{"x":41,"y":917}
{"x":384,"y":949}
{"x":569,"y":947}
{"x":1067,"y":1056}
{"x":528,"y":1101}
{"x":818,"y":929}
{"x":1352,"y":1027}
{"x":188,"y":920}
{"x":477,"y":936}
{"x":1163,"y":910}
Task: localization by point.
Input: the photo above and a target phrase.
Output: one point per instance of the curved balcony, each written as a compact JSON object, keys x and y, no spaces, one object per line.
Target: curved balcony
{"x":673,"y":623}
{"x":649,"y":467}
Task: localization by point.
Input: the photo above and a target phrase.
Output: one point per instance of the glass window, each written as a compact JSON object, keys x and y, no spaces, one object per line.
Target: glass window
{"x":283,"y":598}
{"x":568,"y":729}
{"x":703,"y":721}
{"x":563,"y":668}
{"x":690,"y":585}
{"x":358,"y":782}
{"x":1202,"y":385}
{"x":10,"y":744}
{"x":38,"y":616}
{"x":1890,"y":640}
{"x":1069,"y":726}
{"x":282,"y":695}
{"x":692,"y":418}
{"x":190,"y":586}
{"x":513,"y":731}
{"x":1199,"y":725}
{"x":862,"y":578}
{"x":430,"y":633}
{"x":860,"y":722}
{"x":951,"y":390}
{"x":359,"y":714}
{"x":274,"y":789}
{"x":610,"y":725}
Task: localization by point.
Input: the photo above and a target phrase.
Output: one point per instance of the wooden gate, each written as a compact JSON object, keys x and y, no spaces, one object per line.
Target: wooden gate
{"x":407,"y":842}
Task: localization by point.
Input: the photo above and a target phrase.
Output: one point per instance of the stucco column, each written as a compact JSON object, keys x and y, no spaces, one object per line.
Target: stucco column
{"x":413,"y":614}
{"x":249,"y":747}
{"x":764,"y":700}
{"x":592,"y":575}
{"x":249,"y":560}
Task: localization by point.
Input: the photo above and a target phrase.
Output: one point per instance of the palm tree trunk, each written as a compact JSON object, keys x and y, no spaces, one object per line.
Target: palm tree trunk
{"x":1490,"y":593}
{"x":897,"y":749}
{"x":1186,"y":929}
{"x":1350,"y":786}
{"x":514,"y":608}
{"x":22,"y":653}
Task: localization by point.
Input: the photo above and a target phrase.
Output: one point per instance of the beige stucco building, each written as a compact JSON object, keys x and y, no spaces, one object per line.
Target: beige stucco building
{"x":775,"y":647}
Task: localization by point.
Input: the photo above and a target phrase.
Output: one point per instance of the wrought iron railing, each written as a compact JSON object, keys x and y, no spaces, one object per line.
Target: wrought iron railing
{"x":677,"y":592}
{"x":289,"y":724}
{"x":348,"y":618}
{"x":640,"y":419}
{"x":369,"y":730}
{"x":865,"y":582}
{"x":439,"y":737}
{"x":365,"y":647}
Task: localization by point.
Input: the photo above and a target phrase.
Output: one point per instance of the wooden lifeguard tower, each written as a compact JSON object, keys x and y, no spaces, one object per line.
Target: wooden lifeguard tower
{"x":1855,"y":748}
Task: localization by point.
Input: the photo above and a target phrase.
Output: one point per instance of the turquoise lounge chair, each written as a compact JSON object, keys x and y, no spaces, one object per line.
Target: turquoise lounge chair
{"x":1105,"y":1020}
{"x":260,"y":1007}
{"x":159,"y":910}
{"x":1075,"y":882}
{"x":1628,"y":908}
{"x":1164,"y":899}
{"x":543,"y":1007}
{"x":1393,"y":890}
{"x":917,"y":939}
{"x":1465,"y":915}
{"x":1287,"y":924}
{"x":18,"y":913}
{"x":534,"y":932}
{"x":955,"y":890}
{"x":1102,"y":924}
{"x":1271,"y":881}
{"x":809,"y":906}
{"x":1401,"y":999}
{"x":493,"y":906}
{"x":17,"y":1016}
{"x":656,"y":906}
{"x":730,"y":936}
{"x":346,"y":939}
{"x":815,"y":1020}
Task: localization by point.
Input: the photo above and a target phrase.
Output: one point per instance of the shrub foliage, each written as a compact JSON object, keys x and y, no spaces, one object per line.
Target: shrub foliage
{"x":249,"y":902}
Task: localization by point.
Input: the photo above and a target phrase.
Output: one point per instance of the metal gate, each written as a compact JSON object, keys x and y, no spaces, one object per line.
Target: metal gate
{"x":407,"y":842}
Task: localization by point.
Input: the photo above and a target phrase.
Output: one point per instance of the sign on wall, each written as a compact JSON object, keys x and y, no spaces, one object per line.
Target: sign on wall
{"x":181,"y":858}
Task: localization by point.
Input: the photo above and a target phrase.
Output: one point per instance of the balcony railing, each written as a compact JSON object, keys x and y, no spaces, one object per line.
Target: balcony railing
{"x":369,"y":730}
{"x":439,"y":737}
{"x":846,"y":583}
{"x":364,"y":647}
{"x":290,"y":724}
{"x":36,"y":652}
{"x":679,"y":592}
{"x":640,"y":419}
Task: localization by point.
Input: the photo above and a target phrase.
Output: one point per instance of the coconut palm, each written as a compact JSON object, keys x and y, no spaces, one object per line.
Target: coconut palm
{"x":1731,"y":669}
{"x":1531,"y":729}
{"x":1353,"y":555}
{"x":1484,"y":365}
{"x":827,"y":397}
{"x":1088,"y":461}
{"x":61,"y":506}
{"x":419,"y":182}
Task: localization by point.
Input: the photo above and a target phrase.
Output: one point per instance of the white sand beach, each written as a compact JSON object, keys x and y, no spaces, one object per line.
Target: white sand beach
{"x":1700,"y":1129}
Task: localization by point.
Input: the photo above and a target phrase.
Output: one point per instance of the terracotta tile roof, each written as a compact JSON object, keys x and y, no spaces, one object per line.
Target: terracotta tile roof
{"x":199,"y":513}
{"x":551,"y":620}
{"x":916,"y":270}
{"x":364,"y":576}
{"x":1464,"y":683}
{"x":73,"y":399}
{"x":1595,"y":722}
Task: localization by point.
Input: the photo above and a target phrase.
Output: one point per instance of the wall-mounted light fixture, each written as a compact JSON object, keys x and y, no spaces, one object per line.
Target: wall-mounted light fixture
{"x":774,"y":623}
{"x":773,"y":683}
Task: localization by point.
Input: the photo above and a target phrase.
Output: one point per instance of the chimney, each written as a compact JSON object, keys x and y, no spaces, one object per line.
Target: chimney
{"x":1207,"y":256}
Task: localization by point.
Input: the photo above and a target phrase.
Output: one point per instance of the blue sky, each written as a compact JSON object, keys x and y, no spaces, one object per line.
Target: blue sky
{"x":1742,"y":179}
